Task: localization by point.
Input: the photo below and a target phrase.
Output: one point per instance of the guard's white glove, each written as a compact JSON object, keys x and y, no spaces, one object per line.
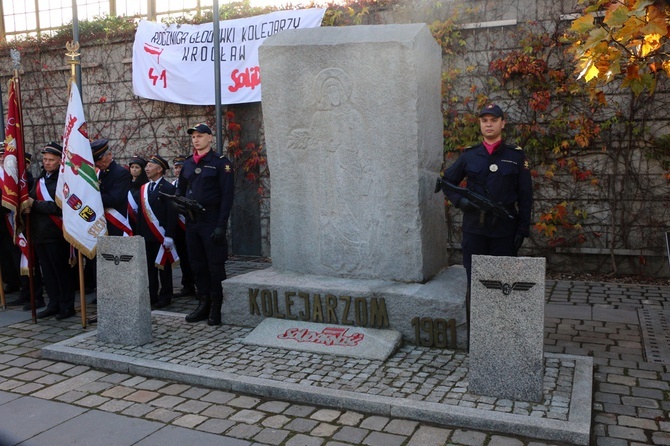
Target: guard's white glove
{"x":168,"y":243}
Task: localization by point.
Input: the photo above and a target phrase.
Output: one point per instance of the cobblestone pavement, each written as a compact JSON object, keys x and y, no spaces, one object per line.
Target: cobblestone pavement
{"x":631,"y":398}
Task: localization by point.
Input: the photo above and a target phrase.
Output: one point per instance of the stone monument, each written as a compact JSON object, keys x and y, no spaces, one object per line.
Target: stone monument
{"x":507,"y":327}
{"x":354,"y":138}
{"x":124,"y":309}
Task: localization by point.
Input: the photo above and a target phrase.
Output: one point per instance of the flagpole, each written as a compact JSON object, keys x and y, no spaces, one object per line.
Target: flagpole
{"x":20,"y":152}
{"x":73,"y":53}
{"x":217,"y":77}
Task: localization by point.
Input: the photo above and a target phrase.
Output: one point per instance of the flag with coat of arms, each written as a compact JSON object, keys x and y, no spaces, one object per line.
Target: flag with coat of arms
{"x":14,"y":182}
{"x":78,"y":191}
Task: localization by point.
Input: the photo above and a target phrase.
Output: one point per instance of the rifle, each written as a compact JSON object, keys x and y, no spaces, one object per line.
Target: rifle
{"x":484,"y":204}
{"x":185,"y":205}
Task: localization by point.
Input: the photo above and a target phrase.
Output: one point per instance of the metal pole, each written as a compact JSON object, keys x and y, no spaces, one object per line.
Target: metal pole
{"x":217,"y":77}
{"x":75,"y":38}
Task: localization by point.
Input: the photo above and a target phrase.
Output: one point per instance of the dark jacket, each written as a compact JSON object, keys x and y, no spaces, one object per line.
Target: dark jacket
{"x":211,"y":183}
{"x":504,"y":177}
{"x":45,"y":215}
{"x":114,"y":186}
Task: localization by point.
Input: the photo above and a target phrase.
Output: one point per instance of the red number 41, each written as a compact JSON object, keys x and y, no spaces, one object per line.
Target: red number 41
{"x":156,"y":77}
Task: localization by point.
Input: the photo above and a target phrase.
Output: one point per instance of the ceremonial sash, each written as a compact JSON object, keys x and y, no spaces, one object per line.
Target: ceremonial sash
{"x":119,"y":221}
{"x":132,"y":207}
{"x":43,"y":195}
{"x":158,"y":231}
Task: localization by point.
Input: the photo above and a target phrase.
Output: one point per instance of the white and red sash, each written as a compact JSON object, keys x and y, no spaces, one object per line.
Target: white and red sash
{"x":43,"y":195}
{"x":119,"y":221}
{"x":164,"y":255}
{"x":132,"y":207}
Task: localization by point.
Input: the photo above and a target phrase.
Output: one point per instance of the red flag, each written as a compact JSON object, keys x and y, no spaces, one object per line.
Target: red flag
{"x":15,"y":184}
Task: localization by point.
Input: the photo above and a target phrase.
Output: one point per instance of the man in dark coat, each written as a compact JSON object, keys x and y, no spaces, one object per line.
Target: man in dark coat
{"x":51,"y":248}
{"x":156,"y":222}
{"x":115,"y":183}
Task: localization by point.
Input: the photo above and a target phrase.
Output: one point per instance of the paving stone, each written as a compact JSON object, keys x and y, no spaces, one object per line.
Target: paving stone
{"x":304,"y":440}
{"x":350,"y":418}
{"x":218,"y":411}
{"x":401,"y":427}
{"x":142,"y":396}
{"x":468,"y":437}
{"x":163,"y":415}
{"x":273,"y":406}
{"x":627,"y":433}
{"x":382,"y":439}
{"x":215,"y":426}
{"x":271,"y":436}
{"x":243,"y":430}
{"x":189,"y":420}
{"x":92,"y":401}
{"x":429,"y":436}
{"x":216,"y":396}
{"x":375,"y":423}
{"x":327,"y":415}
{"x":247,"y":416}
{"x":192,"y":406}
{"x":246,"y":402}
{"x":324,"y":430}
{"x":497,"y":440}
{"x":115,"y":405}
{"x":301,"y":425}
{"x":298,"y":410}
{"x":351,"y":434}
{"x":276,"y":422}
{"x":118,"y":392}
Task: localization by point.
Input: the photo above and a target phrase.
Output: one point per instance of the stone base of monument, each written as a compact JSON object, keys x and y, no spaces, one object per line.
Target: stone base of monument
{"x":430,"y":314}
{"x":124,"y":309}
{"x":353,"y":342}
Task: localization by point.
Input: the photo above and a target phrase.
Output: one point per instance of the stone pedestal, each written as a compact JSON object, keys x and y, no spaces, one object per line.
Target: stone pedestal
{"x":124,"y":309}
{"x":353,"y":131}
{"x":431,"y":314}
{"x":507,"y":327}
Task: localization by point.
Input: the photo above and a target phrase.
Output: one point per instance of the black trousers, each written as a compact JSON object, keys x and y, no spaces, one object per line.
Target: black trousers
{"x":187,"y":278}
{"x":57,"y":274}
{"x":160,"y":280}
{"x":207,"y":260}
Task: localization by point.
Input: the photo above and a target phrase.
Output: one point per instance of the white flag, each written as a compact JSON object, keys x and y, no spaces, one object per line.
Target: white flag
{"x":175,"y":63}
{"x":78,"y":192}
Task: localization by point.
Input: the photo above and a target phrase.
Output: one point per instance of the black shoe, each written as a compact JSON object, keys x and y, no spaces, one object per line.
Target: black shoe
{"x":65,"y":314}
{"x":47,"y":312}
{"x":39,"y":303}
{"x":202,"y":312}
{"x":17,"y":302}
{"x":185,"y":292}
{"x":215,"y":311}
{"x":162,"y":303}
{"x":11,"y":289}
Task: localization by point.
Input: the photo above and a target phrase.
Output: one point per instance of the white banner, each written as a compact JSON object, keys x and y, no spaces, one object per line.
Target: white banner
{"x":176,"y":63}
{"x":77,"y":192}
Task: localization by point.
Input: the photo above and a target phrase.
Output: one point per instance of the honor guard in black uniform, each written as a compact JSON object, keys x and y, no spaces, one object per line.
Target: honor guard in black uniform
{"x":208,"y":179}
{"x":51,"y":248}
{"x":500,"y":172}
{"x":156,"y":222}
{"x":187,"y":280}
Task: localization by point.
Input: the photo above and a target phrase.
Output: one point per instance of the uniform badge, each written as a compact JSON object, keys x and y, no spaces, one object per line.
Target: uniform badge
{"x":493,"y":167}
{"x":198,"y":170}
{"x":526,"y":165}
{"x":227,"y":168}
